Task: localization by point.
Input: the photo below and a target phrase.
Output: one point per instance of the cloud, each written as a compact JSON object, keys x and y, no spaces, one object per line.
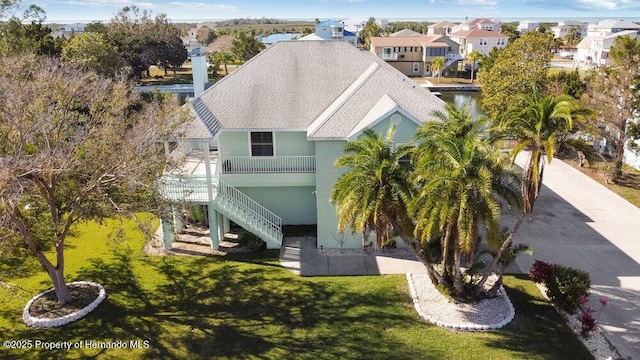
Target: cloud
{"x":468,"y":2}
{"x":588,"y":5}
{"x":204,"y":6}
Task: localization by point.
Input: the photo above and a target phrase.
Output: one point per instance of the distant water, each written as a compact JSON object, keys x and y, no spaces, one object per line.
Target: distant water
{"x":462,"y":98}
{"x":459,"y":20}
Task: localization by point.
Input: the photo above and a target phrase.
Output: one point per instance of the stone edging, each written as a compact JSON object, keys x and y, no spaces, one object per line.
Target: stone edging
{"x":56,"y":322}
{"x":462,"y":326}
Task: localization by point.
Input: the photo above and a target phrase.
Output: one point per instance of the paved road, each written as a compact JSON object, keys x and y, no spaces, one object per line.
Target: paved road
{"x":580,"y":223}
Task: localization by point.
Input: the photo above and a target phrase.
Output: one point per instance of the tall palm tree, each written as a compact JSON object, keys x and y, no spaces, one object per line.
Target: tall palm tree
{"x":540,"y":125}
{"x":473,"y":57}
{"x":437,"y":64}
{"x":459,"y":176}
{"x":373,"y":193}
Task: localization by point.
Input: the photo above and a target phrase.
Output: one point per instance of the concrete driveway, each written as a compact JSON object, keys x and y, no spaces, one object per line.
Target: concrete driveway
{"x":578,"y":222}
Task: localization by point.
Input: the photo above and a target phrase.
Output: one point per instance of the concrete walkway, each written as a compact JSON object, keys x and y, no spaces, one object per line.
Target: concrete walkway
{"x":576,"y":222}
{"x":579,"y":223}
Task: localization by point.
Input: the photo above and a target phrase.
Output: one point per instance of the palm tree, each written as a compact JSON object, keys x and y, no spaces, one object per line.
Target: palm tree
{"x":224,"y":57}
{"x":540,"y":125}
{"x":457,"y":176}
{"x":473,"y":57}
{"x":373,"y":193}
{"x":437,"y":64}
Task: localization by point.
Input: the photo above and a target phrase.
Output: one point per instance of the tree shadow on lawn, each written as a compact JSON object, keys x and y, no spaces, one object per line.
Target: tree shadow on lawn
{"x":202,"y":307}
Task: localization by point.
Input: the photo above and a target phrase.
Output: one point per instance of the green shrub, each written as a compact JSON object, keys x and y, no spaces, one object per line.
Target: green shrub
{"x":566,"y":286}
{"x":253,"y":242}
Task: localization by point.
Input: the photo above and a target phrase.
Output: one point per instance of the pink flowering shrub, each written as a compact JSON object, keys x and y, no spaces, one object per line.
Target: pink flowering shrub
{"x":588,"y":321}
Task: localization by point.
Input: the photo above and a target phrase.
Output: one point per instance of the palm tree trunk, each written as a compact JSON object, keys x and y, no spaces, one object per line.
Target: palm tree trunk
{"x":435,"y":277}
{"x":532,"y":180}
{"x":458,"y":284}
{"x":505,"y":244}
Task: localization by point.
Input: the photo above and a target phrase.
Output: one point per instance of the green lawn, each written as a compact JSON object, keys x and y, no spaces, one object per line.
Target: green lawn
{"x":249,"y":307}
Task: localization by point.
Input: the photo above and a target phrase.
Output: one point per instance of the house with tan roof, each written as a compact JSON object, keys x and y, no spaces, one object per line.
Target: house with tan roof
{"x":261,"y":148}
{"x":479,"y":40}
{"x":479,"y":23}
{"x":441,"y":28}
{"x":411,"y":53}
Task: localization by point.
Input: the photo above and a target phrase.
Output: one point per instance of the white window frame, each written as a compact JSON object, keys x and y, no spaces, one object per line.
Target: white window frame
{"x":416,"y":68}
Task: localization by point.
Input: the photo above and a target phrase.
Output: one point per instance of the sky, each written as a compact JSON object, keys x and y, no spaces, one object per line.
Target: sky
{"x":178,"y":10}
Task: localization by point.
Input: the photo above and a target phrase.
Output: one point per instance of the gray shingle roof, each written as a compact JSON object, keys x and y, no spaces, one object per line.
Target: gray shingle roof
{"x":290,"y":84}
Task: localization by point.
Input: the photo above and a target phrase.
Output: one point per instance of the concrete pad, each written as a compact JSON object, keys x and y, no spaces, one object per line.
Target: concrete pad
{"x":347,"y":265}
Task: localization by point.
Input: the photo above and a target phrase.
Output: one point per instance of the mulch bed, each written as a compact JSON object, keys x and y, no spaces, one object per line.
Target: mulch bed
{"x":47,"y":306}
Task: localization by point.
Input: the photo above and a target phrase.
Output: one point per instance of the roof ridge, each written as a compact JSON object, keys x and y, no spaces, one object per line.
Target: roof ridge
{"x":341,"y":99}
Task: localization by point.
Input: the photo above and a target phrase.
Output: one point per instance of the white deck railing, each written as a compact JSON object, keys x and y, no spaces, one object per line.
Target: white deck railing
{"x":228,"y":198}
{"x":185,"y":188}
{"x":244,"y":202}
{"x":268,"y":164}
{"x":389,"y":56}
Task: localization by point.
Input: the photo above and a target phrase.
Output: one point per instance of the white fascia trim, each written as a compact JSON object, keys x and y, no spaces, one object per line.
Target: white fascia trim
{"x":354,"y":134}
{"x":341,"y":100}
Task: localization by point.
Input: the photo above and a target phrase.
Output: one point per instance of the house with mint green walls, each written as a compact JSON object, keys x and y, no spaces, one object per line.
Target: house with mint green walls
{"x":261,"y":148}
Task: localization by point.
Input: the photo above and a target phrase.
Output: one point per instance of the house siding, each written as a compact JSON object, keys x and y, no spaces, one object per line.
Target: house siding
{"x":234,"y":143}
{"x":294,"y":143}
{"x":326,"y":176}
{"x":404,"y":131}
{"x":296,"y":205}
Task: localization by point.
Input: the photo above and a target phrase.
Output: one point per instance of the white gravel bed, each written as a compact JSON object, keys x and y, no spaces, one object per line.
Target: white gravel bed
{"x":437,"y":309}
{"x":596,"y":342}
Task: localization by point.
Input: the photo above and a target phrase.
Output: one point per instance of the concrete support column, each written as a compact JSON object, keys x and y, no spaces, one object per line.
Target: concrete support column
{"x":221,"y":226}
{"x":178,"y":224}
{"x":213,"y":227}
{"x":167,"y":234}
{"x":227,"y":224}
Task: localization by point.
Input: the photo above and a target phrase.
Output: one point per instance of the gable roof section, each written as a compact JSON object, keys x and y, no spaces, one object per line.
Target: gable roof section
{"x":323,"y":87}
{"x":478,"y":33}
{"x":384,"y":91}
{"x":442,"y":24}
{"x":405,"y":33}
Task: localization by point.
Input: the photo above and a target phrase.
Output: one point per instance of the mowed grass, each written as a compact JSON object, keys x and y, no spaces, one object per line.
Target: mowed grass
{"x":247,"y":306}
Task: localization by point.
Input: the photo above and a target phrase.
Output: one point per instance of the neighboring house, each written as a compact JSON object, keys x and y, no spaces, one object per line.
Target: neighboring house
{"x":527,"y":25}
{"x":593,"y":50}
{"x":190,"y":40}
{"x":69,"y":30}
{"x":480,"y":23}
{"x":606,"y":27}
{"x":479,"y":40}
{"x":411,"y":53}
{"x":262,"y":146}
{"x":334,"y":30}
{"x":441,"y":28}
{"x":565,"y":27}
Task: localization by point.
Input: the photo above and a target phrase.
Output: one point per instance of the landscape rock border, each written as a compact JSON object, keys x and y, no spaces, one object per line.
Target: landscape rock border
{"x":462,"y":326}
{"x":69,"y":318}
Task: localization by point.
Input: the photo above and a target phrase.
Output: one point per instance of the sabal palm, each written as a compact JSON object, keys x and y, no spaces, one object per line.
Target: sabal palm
{"x":458,"y":175}
{"x":437,"y":64}
{"x":473,"y":57}
{"x":539,"y":124}
{"x":373,"y":193}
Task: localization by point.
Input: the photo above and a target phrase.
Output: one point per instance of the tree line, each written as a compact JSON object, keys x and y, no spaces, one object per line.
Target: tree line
{"x":133,"y":41}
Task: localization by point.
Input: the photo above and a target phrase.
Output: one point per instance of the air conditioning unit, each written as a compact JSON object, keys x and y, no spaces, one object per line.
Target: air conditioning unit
{"x":401,"y":56}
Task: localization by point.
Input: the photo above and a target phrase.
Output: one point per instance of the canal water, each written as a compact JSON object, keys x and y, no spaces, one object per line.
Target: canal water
{"x":461,"y":98}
